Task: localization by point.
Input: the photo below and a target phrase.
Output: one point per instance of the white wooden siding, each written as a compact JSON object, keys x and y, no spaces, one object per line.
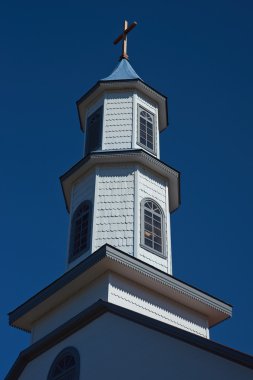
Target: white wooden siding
{"x":120,"y":124}
{"x":83,"y":190}
{"x":134,"y":297}
{"x":118,"y":121}
{"x":115,"y":208}
{"x":120,"y":291}
{"x":154,"y":187}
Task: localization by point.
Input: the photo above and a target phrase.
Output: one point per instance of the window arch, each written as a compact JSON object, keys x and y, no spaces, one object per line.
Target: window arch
{"x":80,"y":231}
{"x":66,"y":365}
{"x":152,"y":227}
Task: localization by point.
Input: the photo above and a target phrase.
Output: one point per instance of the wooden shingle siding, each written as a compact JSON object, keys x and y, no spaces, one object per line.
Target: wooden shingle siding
{"x":118,"y":121}
{"x":83,"y":190}
{"x":137,"y":298}
{"x":114,"y":210}
{"x":152,"y":186}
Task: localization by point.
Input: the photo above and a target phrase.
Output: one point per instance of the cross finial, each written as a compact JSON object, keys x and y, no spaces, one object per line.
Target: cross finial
{"x":123,"y":37}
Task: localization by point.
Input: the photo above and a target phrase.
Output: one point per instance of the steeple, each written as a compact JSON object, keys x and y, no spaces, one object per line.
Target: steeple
{"x":120,"y":193}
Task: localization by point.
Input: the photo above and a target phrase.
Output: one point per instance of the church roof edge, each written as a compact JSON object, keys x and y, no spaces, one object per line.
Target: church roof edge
{"x":101,"y":307}
{"x":99,"y":261}
{"x":126,"y":80}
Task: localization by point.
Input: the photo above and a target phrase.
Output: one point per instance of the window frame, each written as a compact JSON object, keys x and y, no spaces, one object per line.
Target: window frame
{"x":140,"y":108}
{"x":163,"y":253}
{"x":66,"y":351}
{"x":71,"y":256}
{"x":100,"y":109}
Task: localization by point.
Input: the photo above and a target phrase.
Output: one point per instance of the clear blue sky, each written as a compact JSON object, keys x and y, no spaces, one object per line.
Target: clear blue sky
{"x":198,"y":53}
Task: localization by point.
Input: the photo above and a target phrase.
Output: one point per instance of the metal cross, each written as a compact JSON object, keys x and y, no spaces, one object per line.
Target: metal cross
{"x":123,"y":37}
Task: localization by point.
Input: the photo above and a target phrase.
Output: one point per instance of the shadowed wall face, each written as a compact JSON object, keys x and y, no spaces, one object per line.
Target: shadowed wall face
{"x":117,"y":347}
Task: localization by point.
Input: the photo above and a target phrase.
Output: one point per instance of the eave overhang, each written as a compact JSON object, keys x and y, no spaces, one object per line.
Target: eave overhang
{"x":123,"y":85}
{"x":119,"y":157}
{"x":107,"y":259}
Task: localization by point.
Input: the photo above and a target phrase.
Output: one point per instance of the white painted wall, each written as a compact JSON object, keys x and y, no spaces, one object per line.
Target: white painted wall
{"x":114,"y":208}
{"x":86,"y":296}
{"x":112,"y":347}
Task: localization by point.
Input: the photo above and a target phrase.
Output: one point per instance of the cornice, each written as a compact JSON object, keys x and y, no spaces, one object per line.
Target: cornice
{"x":128,"y":84}
{"x":119,"y":83}
{"x":107,"y":259}
{"x":135,"y":153}
{"x":168,"y":280}
{"x":118,"y":157}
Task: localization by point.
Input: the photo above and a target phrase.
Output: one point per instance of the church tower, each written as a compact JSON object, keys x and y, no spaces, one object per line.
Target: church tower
{"x":120,"y":193}
{"x":117,"y":311}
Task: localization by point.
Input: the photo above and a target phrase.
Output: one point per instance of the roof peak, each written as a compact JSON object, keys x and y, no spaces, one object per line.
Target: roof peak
{"x":122,"y":71}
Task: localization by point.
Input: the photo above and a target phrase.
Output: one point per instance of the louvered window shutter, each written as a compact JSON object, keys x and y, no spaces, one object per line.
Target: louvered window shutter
{"x":94,"y":131}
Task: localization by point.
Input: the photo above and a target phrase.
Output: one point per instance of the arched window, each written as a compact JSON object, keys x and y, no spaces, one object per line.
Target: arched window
{"x":152,"y":227}
{"x":80,"y":231}
{"x":146,"y":129}
{"x":66,"y":365}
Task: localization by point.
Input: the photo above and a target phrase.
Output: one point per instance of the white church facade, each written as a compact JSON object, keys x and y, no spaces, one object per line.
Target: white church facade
{"x":118,"y":312}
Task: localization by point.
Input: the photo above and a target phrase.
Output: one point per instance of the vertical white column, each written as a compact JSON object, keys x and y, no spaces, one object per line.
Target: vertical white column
{"x":94,"y":219}
{"x":136,"y":211}
{"x":104,"y":120}
{"x":168,"y":232}
{"x":134,"y":133}
{"x":157,"y":134}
